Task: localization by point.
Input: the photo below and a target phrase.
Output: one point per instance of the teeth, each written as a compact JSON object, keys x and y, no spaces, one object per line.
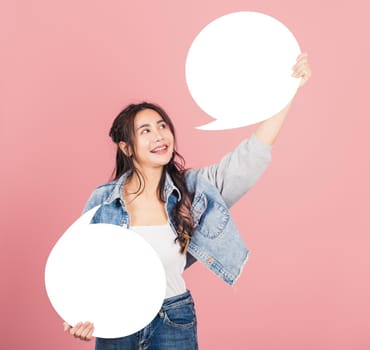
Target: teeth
{"x":159,"y":149}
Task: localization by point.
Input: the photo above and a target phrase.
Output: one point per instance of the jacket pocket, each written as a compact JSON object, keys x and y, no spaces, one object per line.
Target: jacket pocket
{"x":214,"y":220}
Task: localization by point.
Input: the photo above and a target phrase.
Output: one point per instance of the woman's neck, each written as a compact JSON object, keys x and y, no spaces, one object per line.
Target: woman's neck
{"x":145,"y":180}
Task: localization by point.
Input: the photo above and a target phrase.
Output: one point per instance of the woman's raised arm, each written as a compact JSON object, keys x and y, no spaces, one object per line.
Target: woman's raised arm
{"x":238,"y":171}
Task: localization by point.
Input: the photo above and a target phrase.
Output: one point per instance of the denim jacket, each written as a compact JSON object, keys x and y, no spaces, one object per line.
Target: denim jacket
{"x":216,"y":241}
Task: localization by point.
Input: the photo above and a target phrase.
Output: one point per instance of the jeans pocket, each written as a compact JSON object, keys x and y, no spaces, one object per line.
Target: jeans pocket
{"x":182,"y":316}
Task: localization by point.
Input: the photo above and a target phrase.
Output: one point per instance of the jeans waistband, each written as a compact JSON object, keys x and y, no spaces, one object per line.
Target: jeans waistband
{"x":177,"y":300}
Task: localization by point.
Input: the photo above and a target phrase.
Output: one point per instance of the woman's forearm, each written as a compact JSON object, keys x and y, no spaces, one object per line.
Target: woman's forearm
{"x":268,"y":130}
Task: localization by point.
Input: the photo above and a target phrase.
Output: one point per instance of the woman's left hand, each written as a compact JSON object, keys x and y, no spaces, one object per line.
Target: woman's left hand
{"x":302,"y":69}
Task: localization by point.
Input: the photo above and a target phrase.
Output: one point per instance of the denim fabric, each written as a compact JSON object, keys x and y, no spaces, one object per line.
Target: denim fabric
{"x":174,"y":328}
{"x":216,"y":242}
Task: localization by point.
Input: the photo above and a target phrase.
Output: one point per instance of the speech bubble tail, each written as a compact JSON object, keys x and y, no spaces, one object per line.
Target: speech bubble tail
{"x":86,"y":218}
{"x":82,"y":221}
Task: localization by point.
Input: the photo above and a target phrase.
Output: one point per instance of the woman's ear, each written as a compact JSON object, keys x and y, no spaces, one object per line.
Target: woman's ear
{"x":124,"y":147}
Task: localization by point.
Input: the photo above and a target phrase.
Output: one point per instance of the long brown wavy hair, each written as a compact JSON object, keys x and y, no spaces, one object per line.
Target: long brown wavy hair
{"x":123,"y":130}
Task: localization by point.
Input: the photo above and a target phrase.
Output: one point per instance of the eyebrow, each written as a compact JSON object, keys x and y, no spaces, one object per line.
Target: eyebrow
{"x":147,"y":125}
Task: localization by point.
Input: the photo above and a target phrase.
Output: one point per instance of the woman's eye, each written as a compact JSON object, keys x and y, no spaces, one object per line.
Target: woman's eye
{"x":145,"y":131}
{"x":163,"y":126}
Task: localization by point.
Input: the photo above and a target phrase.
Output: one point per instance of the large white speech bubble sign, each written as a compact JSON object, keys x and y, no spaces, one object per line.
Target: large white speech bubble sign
{"x":105,"y":274}
{"x":238,"y":69}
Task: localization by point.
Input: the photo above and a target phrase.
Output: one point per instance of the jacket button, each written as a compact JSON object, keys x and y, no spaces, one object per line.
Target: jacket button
{"x":161,"y":314}
{"x":209,"y":260}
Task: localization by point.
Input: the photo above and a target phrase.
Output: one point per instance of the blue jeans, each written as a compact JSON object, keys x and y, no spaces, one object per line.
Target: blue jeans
{"x":174,"y":328}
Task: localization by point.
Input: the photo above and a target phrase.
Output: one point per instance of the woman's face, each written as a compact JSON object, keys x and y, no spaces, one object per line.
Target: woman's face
{"x":153,"y":140}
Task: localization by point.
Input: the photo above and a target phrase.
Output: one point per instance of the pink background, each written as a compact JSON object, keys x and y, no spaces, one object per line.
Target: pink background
{"x":68,"y":67}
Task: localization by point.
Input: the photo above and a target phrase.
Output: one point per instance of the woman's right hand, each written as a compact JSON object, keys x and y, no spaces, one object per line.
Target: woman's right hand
{"x":81,"y":330}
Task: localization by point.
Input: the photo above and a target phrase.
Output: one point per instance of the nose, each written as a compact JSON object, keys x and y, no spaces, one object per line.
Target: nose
{"x":158,"y":135}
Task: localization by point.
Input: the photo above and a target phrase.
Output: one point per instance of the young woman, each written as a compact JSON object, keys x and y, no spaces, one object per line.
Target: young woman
{"x":185,"y":211}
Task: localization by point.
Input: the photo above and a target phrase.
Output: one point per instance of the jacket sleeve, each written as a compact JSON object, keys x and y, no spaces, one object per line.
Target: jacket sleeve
{"x":239,"y":170}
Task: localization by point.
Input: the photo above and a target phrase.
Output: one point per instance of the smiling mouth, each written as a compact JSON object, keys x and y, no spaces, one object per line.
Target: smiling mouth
{"x":159,"y":149}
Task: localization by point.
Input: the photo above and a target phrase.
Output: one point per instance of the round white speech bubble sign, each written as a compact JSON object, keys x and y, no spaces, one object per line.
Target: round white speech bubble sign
{"x":107,"y":275}
{"x":238,"y":69}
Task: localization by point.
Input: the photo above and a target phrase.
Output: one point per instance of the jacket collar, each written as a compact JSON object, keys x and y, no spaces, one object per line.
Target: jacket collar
{"x":169,"y":187}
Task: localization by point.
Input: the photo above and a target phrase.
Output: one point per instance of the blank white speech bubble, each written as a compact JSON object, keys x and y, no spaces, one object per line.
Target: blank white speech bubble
{"x":238,"y":69}
{"x":105,"y":274}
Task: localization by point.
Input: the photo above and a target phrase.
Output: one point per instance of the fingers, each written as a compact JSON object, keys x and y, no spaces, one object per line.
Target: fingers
{"x":302,"y":69}
{"x":302,"y":55}
{"x":89,"y":334}
{"x":86,"y":334}
{"x":83,"y":331}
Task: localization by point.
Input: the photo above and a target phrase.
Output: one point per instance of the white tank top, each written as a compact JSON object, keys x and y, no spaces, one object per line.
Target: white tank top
{"x":161,"y":238}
